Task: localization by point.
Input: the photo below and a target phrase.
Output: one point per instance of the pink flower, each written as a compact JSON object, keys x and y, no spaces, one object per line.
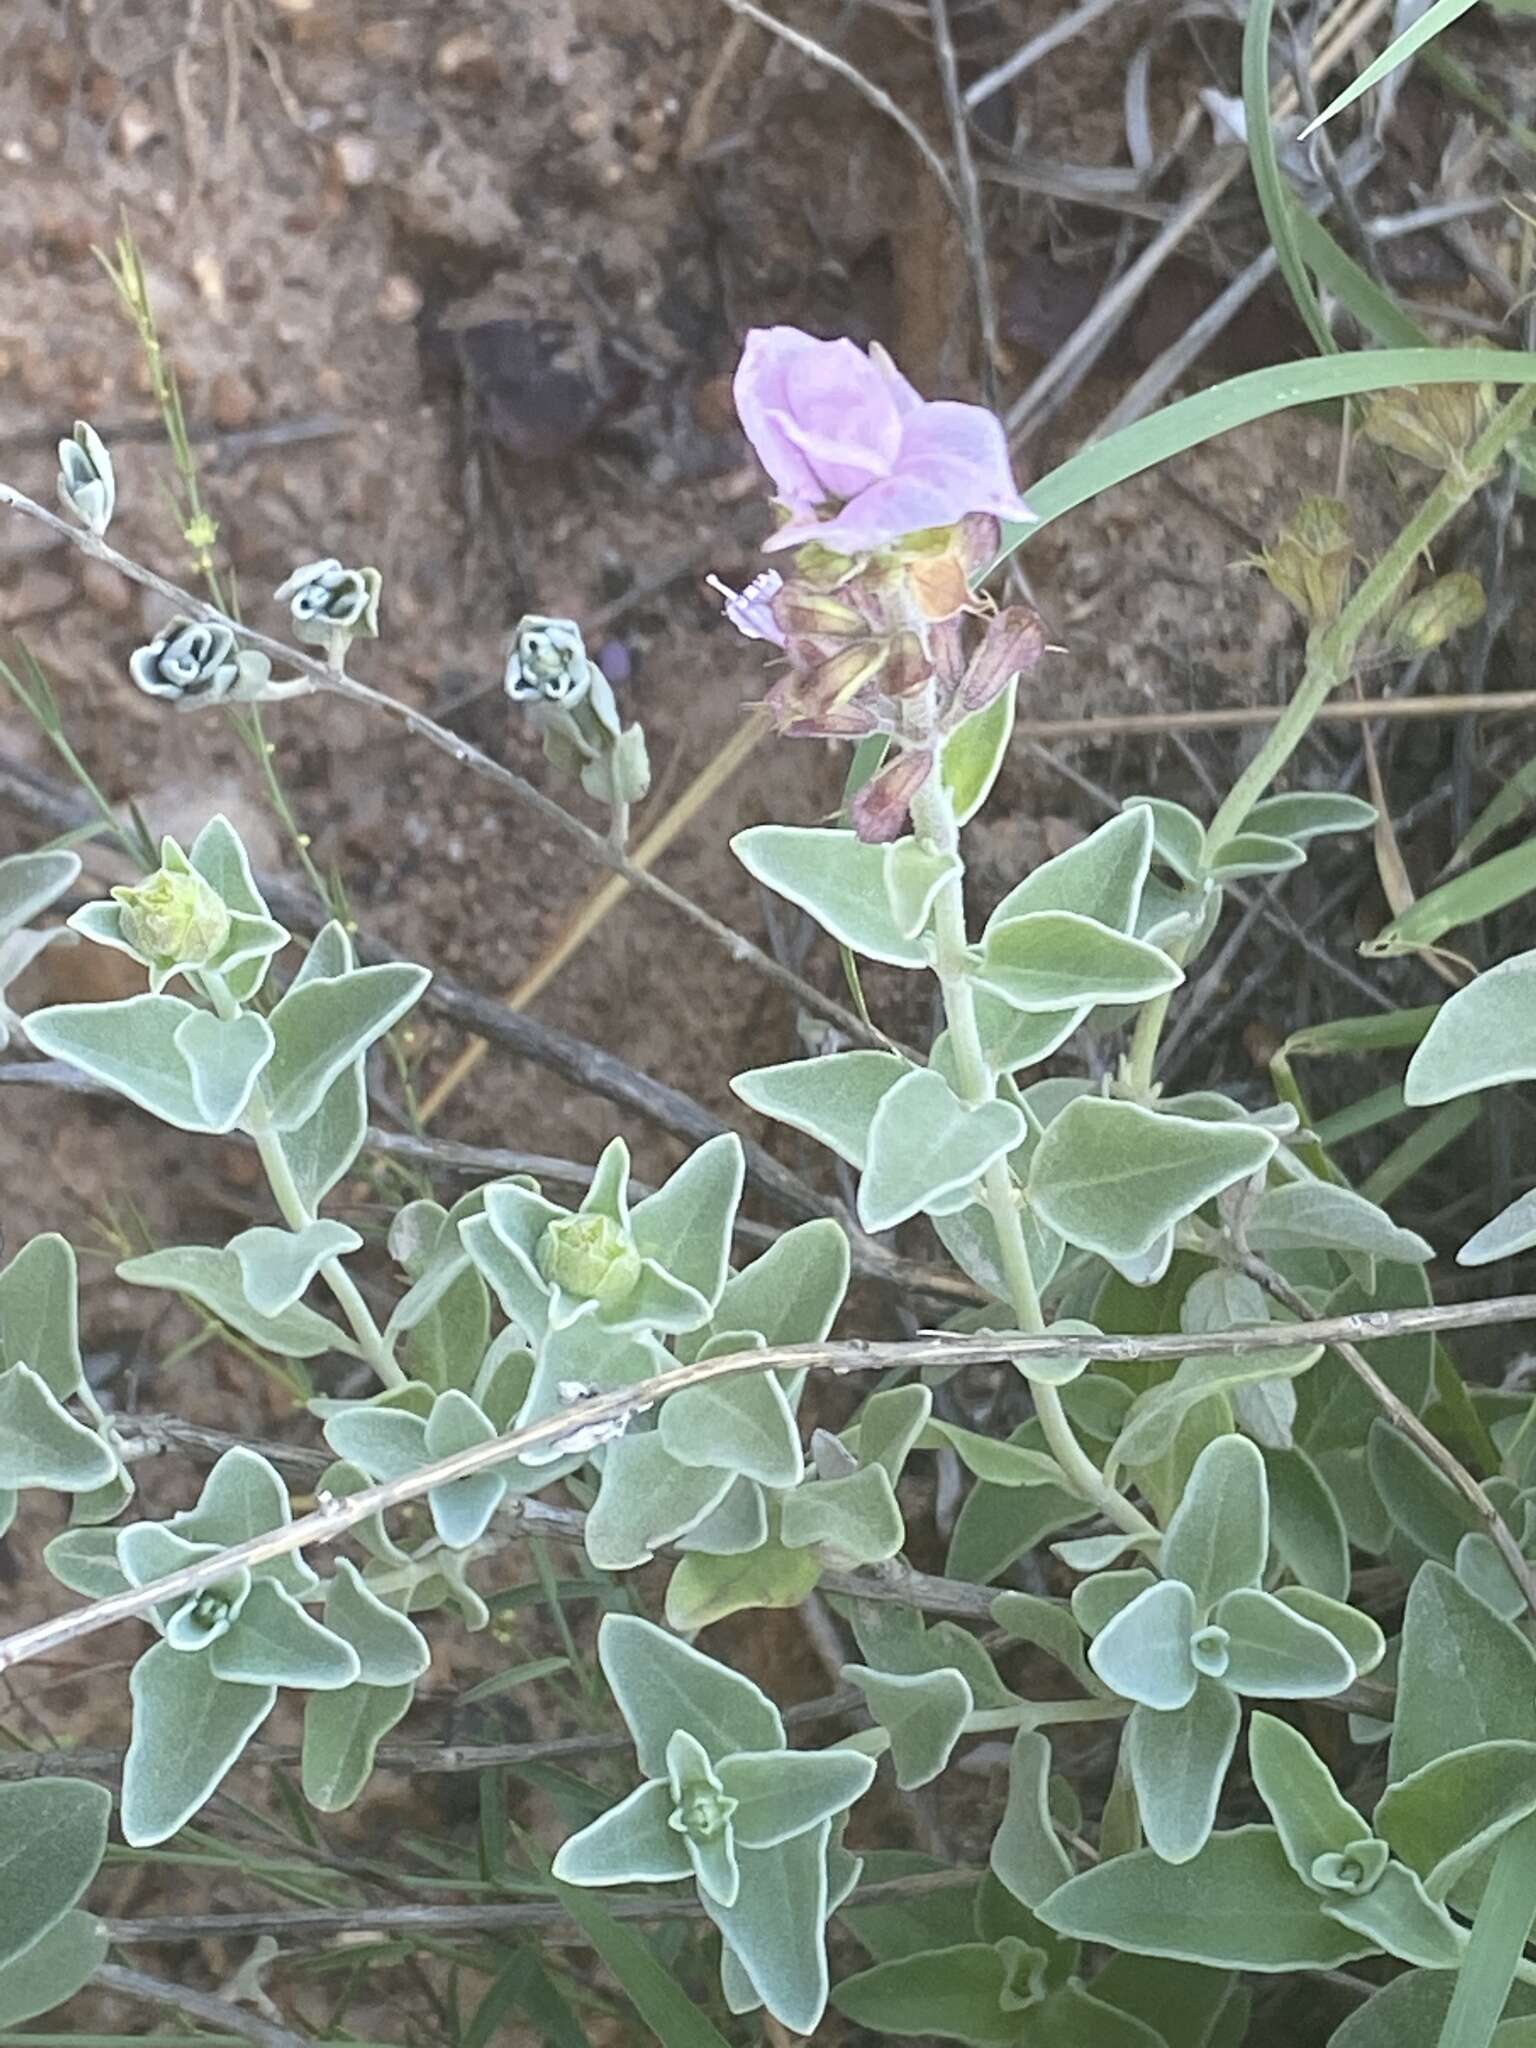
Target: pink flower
{"x":857,"y":457}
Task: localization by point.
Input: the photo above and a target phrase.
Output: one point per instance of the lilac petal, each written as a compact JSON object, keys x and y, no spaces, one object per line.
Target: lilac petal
{"x":760,"y":395}
{"x":907,"y":397}
{"x":750,"y":611}
{"x":946,"y":438}
{"x":888,"y":511}
{"x":843,"y":465}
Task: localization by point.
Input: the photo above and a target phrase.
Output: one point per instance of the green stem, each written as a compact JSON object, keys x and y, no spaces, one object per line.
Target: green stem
{"x":934,"y":818}
{"x":1331,"y":653}
{"x":277,"y":796}
{"x":1494,"y":1953}
{"x":297,"y":1214}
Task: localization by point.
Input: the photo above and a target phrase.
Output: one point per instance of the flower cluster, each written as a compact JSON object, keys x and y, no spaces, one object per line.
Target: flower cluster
{"x":893,"y":505}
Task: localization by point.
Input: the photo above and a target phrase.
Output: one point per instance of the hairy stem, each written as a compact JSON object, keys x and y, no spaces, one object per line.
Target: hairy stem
{"x":934,"y":817}
{"x":1331,"y":653}
{"x":297,"y":1214}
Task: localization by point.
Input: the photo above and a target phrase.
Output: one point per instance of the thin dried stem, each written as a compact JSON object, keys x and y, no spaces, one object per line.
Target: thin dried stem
{"x":593,"y":844}
{"x":553,"y":1922}
{"x":1402,"y":1417}
{"x":878,"y":98}
{"x":334,"y":1517}
{"x":206,"y":2007}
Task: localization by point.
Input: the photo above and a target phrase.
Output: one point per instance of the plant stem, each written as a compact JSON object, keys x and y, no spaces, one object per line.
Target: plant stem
{"x":1331,"y":653}
{"x":297,"y":1215}
{"x":934,"y":818}
{"x":1498,"y":1937}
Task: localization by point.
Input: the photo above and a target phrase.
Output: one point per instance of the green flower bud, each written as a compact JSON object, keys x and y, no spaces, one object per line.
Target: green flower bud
{"x":174,"y":919}
{"x":702,"y":1811}
{"x":329,"y":604}
{"x":1310,"y":562}
{"x":1433,"y":614}
{"x":87,"y":486}
{"x":548,"y":661}
{"x":590,"y":1257}
{"x":1433,"y":423}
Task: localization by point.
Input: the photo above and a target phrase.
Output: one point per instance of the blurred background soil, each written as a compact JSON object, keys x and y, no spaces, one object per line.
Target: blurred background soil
{"x":456,"y":289}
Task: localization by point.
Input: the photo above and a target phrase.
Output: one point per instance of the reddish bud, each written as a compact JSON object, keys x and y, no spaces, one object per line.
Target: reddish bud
{"x":1013,"y":643}
{"x":881,"y":809}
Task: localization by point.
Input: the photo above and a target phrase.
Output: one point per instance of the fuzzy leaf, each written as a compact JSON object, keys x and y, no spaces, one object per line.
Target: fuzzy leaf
{"x":342,"y":1733}
{"x":39,"y":1313}
{"x":1218,"y":1536}
{"x":924,"y":1713}
{"x":1101,"y":877}
{"x":1311,"y":1815}
{"x":1464,"y":1676}
{"x":779,"y":1793}
{"x":41,"y":1444}
{"x":132,"y":1047}
{"x":1142,"y":1652}
{"x":660,"y":1685}
{"x":629,"y":1844}
{"x":686,"y":1225}
{"x":1027,"y":1855}
{"x":837,"y":879}
{"x":1398,"y":1916}
{"x":741,"y":1425}
{"x":1178,"y":837}
{"x":53,"y":1835}
{"x":1304,"y":814}
{"x":1276,"y":1653}
{"x":1307,"y":1213}
{"x":1054,"y":960}
{"x":1112,"y":1177}
{"x":213,"y":1280}
{"x":832,"y":1099}
{"x":275,"y":1642}
{"x":224,"y":1057}
{"x":242,"y":1497}
{"x":776,"y":1926}
{"x":925,"y":1143}
{"x":707,"y":1587}
{"x":1178,"y":1763}
{"x":188,"y":1729}
{"x":53,"y":1969}
{"x":1236,"y":1905}
{"x":1481,"y":1037}
{"x":968,"y":1992}
{"x":391,"y":1650}
{"x":277,"y":1265}
{"x":792,"y":1293}
{"x":856,"y":1518}
{"x":1512,"y":1231}
{"x":647,"y":1498}
{"x":1442,"y":1817}
{"x":322,"y":1027}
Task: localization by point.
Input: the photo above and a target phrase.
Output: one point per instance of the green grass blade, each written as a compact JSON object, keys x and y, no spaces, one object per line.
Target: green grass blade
{"x":660,"y":2001}
{"x":1461,"y":901}
{"x":1357,"y":1117}
{"x":1391,"y":1031}
{"x":1512,"y":802}
{"x":1274,"y":194}
{"x":1498,"y":1939}
{"x":1241,"y":400}
{"x":1376,"y":310}
{"x":1398,"y":51}
{"x":1442,"y":1127}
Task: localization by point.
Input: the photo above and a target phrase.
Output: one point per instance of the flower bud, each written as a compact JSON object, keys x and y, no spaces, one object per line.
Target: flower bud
{"x":174,"y":919}
{"x":1310,"y":562}
{"x":1433,"y":423}
{"x":87,"y":485}
{"x":802,"y":612}
{"x":330,"y":605}
{"x":1433,"y":614}
{"x":1014,"y":641}
{"x":197,"y":661}
{"x":548,"y":661}
{"x":825,"y":689}
{"x":882,"y":807}
{"x":590,"y":1257}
